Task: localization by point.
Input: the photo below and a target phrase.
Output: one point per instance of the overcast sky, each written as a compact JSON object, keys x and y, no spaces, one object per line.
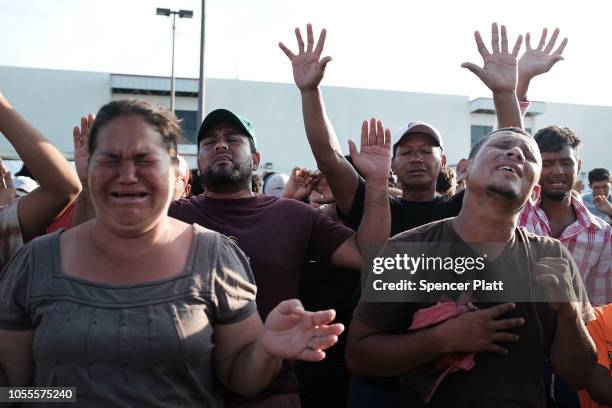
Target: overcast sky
{"x":384,"y":44}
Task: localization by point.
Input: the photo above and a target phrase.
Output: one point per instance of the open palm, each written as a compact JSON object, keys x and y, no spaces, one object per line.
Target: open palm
{"x":308,"y":67}
{"x":500,"y":70}
{"x":290,"y":332}
{"x":374,"y":158}
{"x":539,"y":60}
{"x":80,"y":138}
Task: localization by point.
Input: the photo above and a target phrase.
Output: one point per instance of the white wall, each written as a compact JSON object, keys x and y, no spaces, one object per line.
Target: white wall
{"x":182,"y":102}
{"x":276,"y":113}
{"x":53,"y":101}
{"x":592,"y":123}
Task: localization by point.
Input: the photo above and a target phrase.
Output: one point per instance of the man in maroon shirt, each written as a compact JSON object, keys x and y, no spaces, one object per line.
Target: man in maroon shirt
{"x":278,"y":235}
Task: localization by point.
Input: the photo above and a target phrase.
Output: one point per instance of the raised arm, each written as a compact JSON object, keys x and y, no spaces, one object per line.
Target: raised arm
{"x":84,"y":209}
{"x":308,"y":71}
{"x":59,"y":184}
{"x":537,"y":61}
{"x":374,"y":162}
{"x":499,"y":74}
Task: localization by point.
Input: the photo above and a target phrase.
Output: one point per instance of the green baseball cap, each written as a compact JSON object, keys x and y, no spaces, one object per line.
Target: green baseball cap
{"x":224,"y":116}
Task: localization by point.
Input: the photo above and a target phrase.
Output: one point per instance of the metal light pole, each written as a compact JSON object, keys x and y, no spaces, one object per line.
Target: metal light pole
{"x":202,"y":80}
{"x":182,"y":14}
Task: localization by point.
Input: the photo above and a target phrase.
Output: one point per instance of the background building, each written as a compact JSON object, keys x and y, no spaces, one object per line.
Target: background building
{"x":54,"y":100}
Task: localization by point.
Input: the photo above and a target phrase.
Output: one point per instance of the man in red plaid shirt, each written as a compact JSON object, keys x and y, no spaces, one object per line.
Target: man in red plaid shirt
{"x":560,"y":214}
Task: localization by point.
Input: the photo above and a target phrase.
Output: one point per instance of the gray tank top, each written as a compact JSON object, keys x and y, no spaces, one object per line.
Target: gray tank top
{"x":148,"y":344}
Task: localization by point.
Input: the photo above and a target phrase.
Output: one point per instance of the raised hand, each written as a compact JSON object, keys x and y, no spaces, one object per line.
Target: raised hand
{"x":7,"y":190}
{"x":499,"y":72}
{"x":536,"y":61}
{"x":602,"y":204}
{"x":308,"y":67}
{"x":321,"y":193}
{"x":290,"y":332}
{"x":374,"y":159}
{"x":299,"y":186}
{"x":80,"y":137}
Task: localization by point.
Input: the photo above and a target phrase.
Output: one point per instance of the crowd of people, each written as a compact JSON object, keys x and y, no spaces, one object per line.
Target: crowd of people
{"x":141,"y":283}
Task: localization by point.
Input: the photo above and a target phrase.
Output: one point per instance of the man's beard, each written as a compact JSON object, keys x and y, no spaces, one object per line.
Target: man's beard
{"x":227,"y":180}
{"x":505,"y":193}
{"x":556,"y":196}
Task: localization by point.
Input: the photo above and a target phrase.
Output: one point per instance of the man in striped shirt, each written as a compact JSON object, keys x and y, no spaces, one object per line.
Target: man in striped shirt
{"x":560,"y":214}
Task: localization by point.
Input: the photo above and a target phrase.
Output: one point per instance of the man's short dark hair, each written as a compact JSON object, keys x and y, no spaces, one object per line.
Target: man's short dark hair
{"x":599,"y":175}
{"x":554,"y":138}
{"x":480,"y":142}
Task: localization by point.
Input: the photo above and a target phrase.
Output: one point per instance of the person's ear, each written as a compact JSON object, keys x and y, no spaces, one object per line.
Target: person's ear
{"x":256,"y":159}
{"x":462,"y":166}
{"x":468,"y":167}
{"x":579,"y":165}
{"x":443,"y":161}
{"x":187,"y":190}
{"x":535,"y":193}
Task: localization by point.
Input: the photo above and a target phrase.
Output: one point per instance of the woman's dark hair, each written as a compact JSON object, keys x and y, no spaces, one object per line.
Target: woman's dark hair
{"x":164,"y":122}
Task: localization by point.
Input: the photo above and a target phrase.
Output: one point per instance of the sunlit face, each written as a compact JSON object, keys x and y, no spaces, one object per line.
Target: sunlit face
{"x":600,"y":188}
{"x":559,"y":172}
{"x":225,"y":159}
{"x":507,"y":166}
{"x":131,"y":176}
{"x":418,"y":161}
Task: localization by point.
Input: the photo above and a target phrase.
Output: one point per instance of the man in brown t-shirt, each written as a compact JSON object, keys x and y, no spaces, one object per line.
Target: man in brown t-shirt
{"x":509,"y":342}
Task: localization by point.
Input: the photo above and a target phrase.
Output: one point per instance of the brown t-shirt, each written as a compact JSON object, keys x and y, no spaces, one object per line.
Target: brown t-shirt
{"x":141,"y":345}
{"x":495,"y":381}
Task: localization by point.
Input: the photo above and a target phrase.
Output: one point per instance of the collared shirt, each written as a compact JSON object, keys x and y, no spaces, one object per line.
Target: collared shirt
{"x":589,"y":240}
{"x":590,"y":204}
{"x":10,"y":232}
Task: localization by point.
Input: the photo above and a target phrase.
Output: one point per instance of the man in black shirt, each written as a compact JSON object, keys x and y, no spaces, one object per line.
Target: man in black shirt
{"x":418,"y":153}
{"x":418,"y":158}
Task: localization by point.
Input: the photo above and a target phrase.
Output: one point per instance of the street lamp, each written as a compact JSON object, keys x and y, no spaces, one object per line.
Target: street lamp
{"x":182,"y":14}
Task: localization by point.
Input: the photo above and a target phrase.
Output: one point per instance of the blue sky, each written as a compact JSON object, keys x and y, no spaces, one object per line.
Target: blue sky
{"x":401,"y":45}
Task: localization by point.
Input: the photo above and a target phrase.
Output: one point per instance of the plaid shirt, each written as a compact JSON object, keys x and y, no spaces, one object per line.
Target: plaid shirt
{"x":10,"y":232}
{"x":589,"y":240}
